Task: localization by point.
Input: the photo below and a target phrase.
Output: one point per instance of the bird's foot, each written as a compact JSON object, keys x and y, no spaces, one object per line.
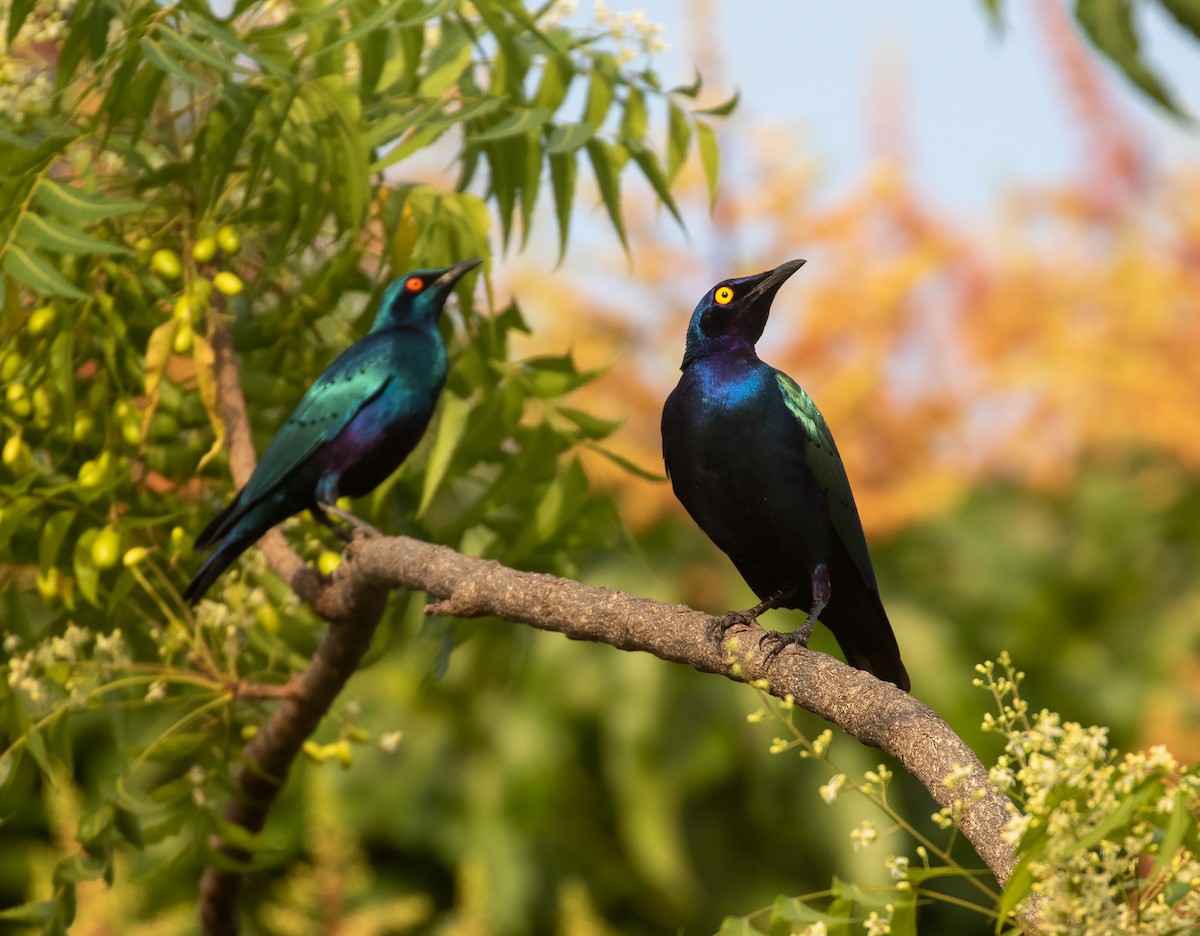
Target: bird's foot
{"x":716,"y":628}
{"x":352,"y":523}
{"x":778,"y":639}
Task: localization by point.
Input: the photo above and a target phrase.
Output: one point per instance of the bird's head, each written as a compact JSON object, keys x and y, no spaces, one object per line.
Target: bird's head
{"x":734,"y":313}
{"x":418,"y":296}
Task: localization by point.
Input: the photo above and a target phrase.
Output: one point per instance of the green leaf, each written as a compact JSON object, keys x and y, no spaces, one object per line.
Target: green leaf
{"x":600,"y":91}
{"x":635,"y":119}
{"x":1186,"y":13}
{"x":51,"y":235}
{"x":557,"y":74}
{"x":193,"y":51}
{"x":38,"y":273}
{"x":652,"y":169}
{"x":531,"y":181}
{"x":35,"y":913}
{"x":710,"y":159}
{"x":994,"y":12}
{"x":77,"y":869}
{"x":241,"y":838}
{"x":679,"y":137}
{"x":520,"y":122}
{"x":176,"y":746}
{"x":1109,"y":25}
{"x":592,"y":427}
{"x":603,"y":159}
{"x":691,"y":90}
{"x":54,"y":531}
{"x":87,"y":576}
{"x":566,"y":138}
{"x":723,"y":109}
{"x":451,"y":423}
{"x":562,"y":181}
{"x":738,"y":926}
{"x":17,"y":11}
{"x":628,"y":465}
{"x":159,"y":56}
{"x":441,"y":76}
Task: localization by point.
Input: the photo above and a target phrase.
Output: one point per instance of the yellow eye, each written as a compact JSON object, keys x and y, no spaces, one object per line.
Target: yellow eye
{"x":724,"y":295}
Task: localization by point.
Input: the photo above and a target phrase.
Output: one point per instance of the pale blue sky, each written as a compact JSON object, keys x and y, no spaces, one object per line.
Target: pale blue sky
{"x":983,"y":110}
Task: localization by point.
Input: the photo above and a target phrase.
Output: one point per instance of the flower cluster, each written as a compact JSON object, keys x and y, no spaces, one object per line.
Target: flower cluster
{"x":635,"y":26}
{"x":26,"y":64}
{"x":1105,"y":835}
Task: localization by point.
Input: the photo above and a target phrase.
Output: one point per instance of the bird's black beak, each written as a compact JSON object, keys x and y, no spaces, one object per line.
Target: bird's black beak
{"x":770,"y":283}
{"x":453,"y":274}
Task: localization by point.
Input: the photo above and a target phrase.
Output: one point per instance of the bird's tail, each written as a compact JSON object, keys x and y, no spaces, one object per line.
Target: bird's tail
{"x":212,"y":568}
{"x":864,"y":633}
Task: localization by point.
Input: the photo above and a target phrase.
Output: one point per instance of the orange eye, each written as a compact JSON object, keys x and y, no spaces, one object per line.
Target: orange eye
{"x":724,"y":295}
{"x":414,"y":284}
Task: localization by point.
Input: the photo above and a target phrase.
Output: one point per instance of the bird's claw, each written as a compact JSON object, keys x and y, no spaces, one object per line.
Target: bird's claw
{"x":716,"y":628}
{"x":778,"y":641}
{"x":797,"y":638}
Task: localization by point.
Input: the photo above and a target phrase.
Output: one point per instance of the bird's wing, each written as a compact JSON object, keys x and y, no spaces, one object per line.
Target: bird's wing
{"x":352,"y":381}
{"x":822,"y":457}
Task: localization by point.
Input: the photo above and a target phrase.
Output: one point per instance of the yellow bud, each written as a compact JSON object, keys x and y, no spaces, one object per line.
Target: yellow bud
{"x":268,"y":618}
{"x":106,"y":548}
{"x":134,"y":556}
{"x":15,"y":392}
{"x":361,"y":735}
{"x":131,"y":432}
{"x":84,"y":424}
{"x":249,"y":731}
{"x":143,"y":244}
{"x":314,"y":752}
{"x":122,"y":409}
{"x":16,"y":454}
{"x":228,"y":240}
{"x":41,"y":320}
{"x":204,"y":250}
{"x":183,"y":338}
{"x":228,"y":283}
{"x":12,"y":364}
{"x":166,"y":263}
{"x":47,"y":584}
{"x":183,"y":309}
{"x":91,"y":474}
{"x":327,"y":562}
{"x":342,"y":751}
{"x":43,"y":403}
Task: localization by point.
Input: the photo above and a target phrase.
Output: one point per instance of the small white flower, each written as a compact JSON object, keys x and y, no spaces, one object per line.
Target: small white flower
{"x":829,"y":791}
{"x":864,"y":836}
{"x":157,"y":691}
{"x":390,"y":741}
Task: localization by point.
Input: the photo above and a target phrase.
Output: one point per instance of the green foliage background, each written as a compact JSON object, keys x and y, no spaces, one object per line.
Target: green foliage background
{"x":539,"y":785}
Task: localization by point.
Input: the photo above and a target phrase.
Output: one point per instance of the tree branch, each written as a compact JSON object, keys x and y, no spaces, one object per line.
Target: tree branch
{"x":876,"y":713}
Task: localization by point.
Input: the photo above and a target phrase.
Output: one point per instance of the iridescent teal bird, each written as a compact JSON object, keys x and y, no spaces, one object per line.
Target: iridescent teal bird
{"x":354,"y":426}
{"x":751,"y":459}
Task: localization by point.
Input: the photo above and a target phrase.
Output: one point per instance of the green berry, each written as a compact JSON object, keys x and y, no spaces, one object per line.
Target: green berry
{"x":166,"y":263}
{"x":228,"y":283}
{"x":106,"y":548}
